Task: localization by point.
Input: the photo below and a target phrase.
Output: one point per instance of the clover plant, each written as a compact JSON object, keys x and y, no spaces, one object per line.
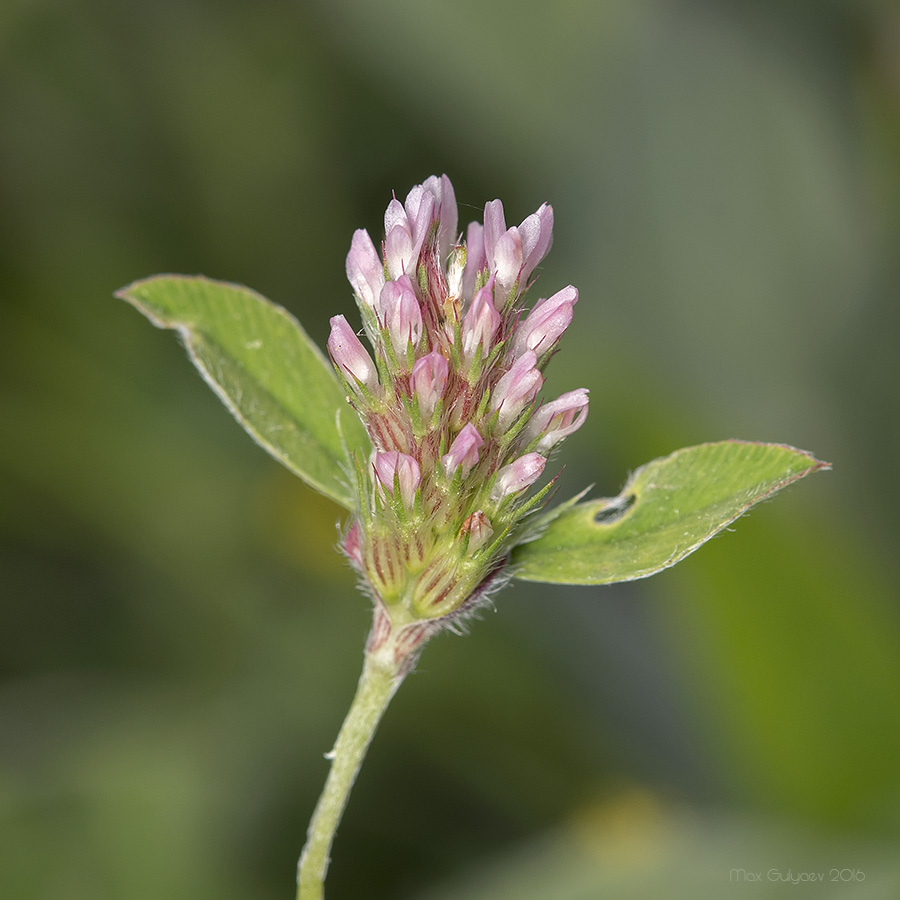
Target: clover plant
{"x":436,"y":440}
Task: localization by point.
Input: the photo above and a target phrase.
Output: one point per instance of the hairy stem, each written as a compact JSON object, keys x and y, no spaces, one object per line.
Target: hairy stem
{"x":379,"y":681}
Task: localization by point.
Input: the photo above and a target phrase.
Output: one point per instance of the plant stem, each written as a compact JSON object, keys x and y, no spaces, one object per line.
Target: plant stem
{"x":377,"y":685}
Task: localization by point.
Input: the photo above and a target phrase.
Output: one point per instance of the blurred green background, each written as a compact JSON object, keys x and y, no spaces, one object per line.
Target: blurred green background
{"x":178,"y":638}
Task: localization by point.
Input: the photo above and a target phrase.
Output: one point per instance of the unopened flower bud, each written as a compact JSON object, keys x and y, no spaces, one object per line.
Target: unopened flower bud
{"x":392,"y":467}
{"x":349,"y":355}
{"x":494,"y":228}
{"x":557,"y":420}
{"x":480,"y":323}
{"x":428,"y":380}
{"x":514,"y":253}
{"x":405,"y":228}
{"x":537,"y":236}
{"x":365,"y":270}
{"x":401,"y":314}
{"x":421,"y":205}
{"x":506,"y":262}
{"x":445,"y":212}
{"x":478,"y":528}
{"x":463,"y":453}
{"x":546,"y":323}
{"x":399,"y":252}
{"x":517,"y":476}
{"x":516,"y":389}
{"x":502,"y":249}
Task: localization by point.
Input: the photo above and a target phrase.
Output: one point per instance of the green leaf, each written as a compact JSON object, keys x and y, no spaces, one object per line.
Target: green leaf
{"x":668,"y":508}
{"x":265,"y":369}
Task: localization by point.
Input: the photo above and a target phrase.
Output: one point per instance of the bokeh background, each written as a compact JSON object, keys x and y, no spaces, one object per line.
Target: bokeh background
{"x":178,"y":638}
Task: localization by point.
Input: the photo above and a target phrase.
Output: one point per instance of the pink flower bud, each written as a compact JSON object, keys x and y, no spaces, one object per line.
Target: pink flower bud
{"x":537,"y":236}
{"x":517,"y":476}
{"x":463,"y":452}
{"x":445,"y":211}
{"x":503,"y":250}
{"x":401,"y":314}
{"x":365,"y":270}
{"x":400,"y":253}
{"x":421,"y":208}
{"x":393,"y":467}
{"x":494,"y":228}
{"x":405,"y":229}
{"x":349,"y":355}
{"x":428,"y":380}
{"x":516,"y":389}
{"x":507,"y":263}
{"x":546,"y":323}
{"x":480,"y":322}
{"x":557,"y":420}
{"x":514,"y":253}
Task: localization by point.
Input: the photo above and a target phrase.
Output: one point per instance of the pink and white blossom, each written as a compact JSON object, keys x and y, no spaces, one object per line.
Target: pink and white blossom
{"x":546,"y":323}
{"x":514,"y":253}
{"x":401,"y":314}
{"x":519,"y":475}
{"x":394,"y":468}
{"x":428,"y":380}
{"x":365,"y":270}
{"x":445,"y":212}
{"x":349,"y":355}
{"x":494,"y":228}
{"x":480,"y":323}
{"x":556,"y":420}
{"x":406,"y":225}
{"x":516,"y":389}
{"x":463,"y":453}
{"x":502,"y":250}
{"x":537,"y":236}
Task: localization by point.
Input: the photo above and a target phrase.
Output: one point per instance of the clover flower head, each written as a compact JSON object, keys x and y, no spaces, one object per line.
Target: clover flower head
{"x":449,"y":396}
